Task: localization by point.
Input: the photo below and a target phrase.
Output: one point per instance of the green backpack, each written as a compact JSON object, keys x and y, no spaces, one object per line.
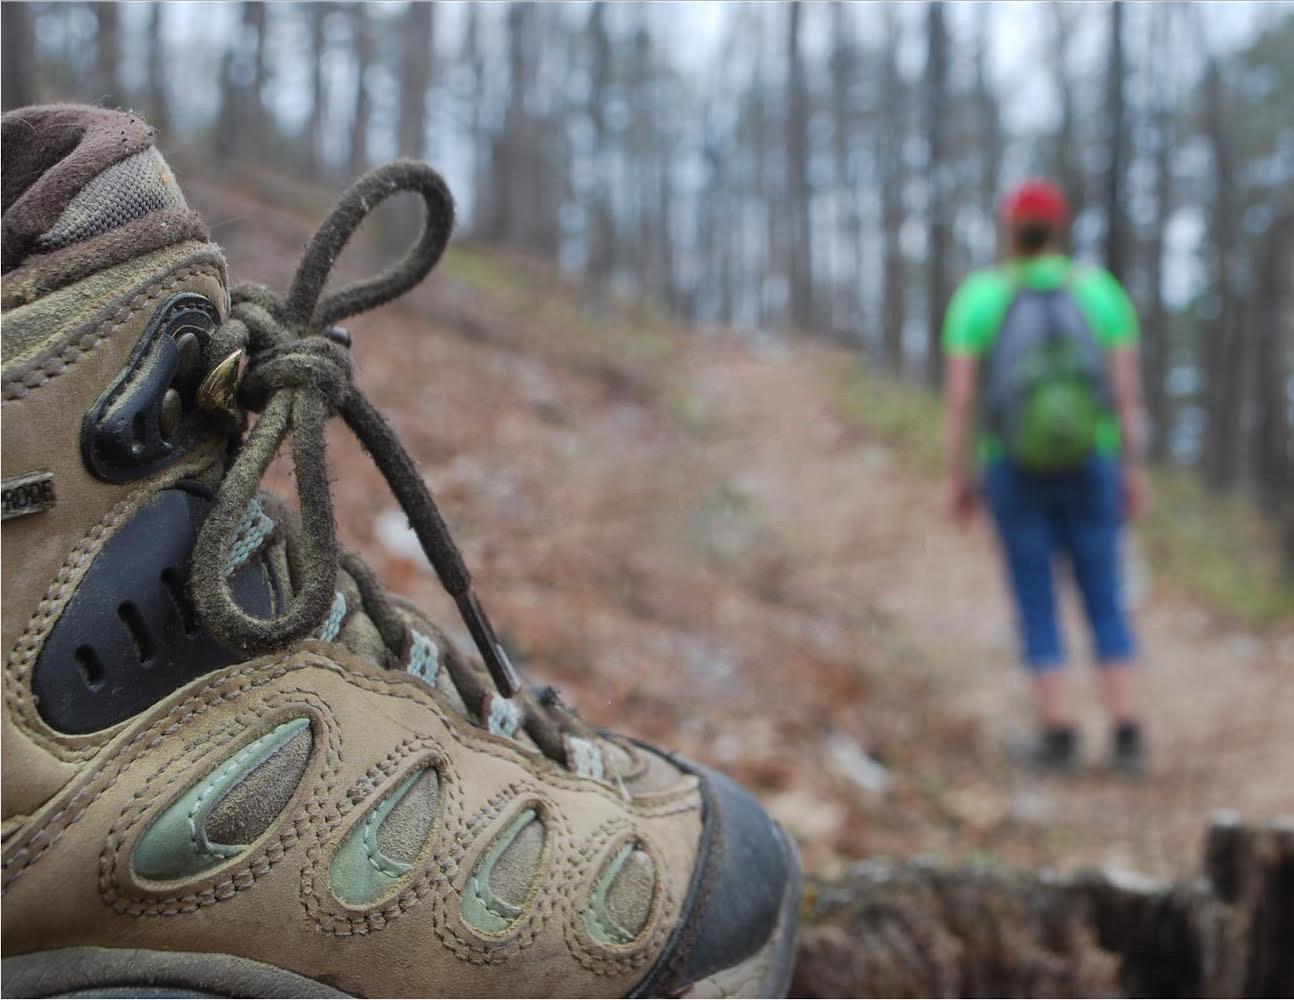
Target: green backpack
{"x":1046,"y":384}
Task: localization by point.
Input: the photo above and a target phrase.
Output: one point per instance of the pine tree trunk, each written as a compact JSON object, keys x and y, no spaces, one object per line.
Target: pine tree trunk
{"x":108,"y":54}
{"x":17,"y":62}
{"x":258,"y":125}
{"x":1065,"y":164}
{"x":317,"y":13}
{"x":600,"y":262}
{"x":480,"y":137}
{"x":938,"y":209}
{"x":158,"y":106}
{"x":891,"y":168}
{"x":988,"y":116}
{"x":1273,"y":332}
{"x":846,"y":301}
{"x":415,"y":76}
{"x":363,"y":43}
{"x":1116,"y":225}
{"x":799,"y":259}
{"x":1223,"y":359}
{"x":1155,"y":338}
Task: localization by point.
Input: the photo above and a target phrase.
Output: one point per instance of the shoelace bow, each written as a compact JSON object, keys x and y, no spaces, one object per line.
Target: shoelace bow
{"x":298,"y":374}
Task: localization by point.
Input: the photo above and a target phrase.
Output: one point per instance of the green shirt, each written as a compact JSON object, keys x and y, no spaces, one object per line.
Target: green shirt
{"x":980,"y":304}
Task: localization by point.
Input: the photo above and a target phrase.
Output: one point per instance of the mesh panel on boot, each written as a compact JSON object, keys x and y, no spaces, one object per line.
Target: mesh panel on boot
{"x":499,"y":886}
{"x":622,"y":897}
{"x":405,"y":829}
{"x":628,"y":901}
{"x":516,"y":868}
{"x":124,"y":192}
{"x":255,"y":802}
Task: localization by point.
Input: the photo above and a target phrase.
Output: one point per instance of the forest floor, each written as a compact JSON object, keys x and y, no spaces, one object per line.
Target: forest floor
{"x":701,"y":541}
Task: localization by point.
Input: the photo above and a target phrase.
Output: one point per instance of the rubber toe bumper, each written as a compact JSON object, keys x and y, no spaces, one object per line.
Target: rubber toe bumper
{"x":745,"y":873}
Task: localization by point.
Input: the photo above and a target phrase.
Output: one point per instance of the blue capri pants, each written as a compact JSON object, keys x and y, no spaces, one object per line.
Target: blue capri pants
{"x":1078,"y":515}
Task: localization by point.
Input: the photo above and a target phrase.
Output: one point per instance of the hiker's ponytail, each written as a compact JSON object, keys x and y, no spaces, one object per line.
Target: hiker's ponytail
{"x":1032,"y":236}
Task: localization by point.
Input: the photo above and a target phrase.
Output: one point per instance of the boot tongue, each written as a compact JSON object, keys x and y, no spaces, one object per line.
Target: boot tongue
{"x":91,"y":194}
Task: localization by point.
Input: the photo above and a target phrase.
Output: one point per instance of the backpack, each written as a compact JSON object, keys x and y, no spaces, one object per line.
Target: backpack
{"x":1046,"y":383}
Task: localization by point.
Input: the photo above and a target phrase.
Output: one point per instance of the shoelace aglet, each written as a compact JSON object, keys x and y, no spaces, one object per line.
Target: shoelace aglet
{"x":506,"y":679}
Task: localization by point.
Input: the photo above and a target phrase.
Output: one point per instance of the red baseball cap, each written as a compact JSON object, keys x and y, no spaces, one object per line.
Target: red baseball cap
{"x":1039,"y":201}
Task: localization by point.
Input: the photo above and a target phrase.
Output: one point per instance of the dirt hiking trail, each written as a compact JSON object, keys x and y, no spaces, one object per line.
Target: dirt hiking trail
{"x":687,"y":533}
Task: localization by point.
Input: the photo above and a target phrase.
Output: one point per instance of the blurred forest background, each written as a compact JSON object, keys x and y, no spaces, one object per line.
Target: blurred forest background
{"x":826,"y":167}
{"x":676,"y":387}
{"x":675,"y":383}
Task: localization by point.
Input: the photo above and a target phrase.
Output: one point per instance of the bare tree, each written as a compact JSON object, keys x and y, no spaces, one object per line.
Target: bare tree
{"x":417,"y":37}
{"x":938,"y":208}
{"x":317,"y":22}
{"x":988,"y":117}
{"x":17,"y":62}
{"x":1222,"y":352}
{"x":769,"y":185}
{"x":242,"y":122}
{"x":257,"y":124}
{"x":362,"y":35}
{"x":844,"y":67}
{"x":650,"y":220}
{"x":1155,"y":338}
{"x":225,"y":142}
{"x":478,"y":135}
{"x":1273,"y":331}
{"x":158,"y":106}
{"x":1116,"y":227}
{"x":799,"y":259}
{"x":601,"y":247}
{"x":1065,"y":166}
{"x":522,"y":208}
{"x":107,"y":51}
{"x":890,"y":153}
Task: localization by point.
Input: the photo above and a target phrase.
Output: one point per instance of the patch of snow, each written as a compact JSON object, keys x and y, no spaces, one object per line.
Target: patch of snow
{"x":848,"y":760}
{"x":395,"y":535}
{"x":1030,"y":808}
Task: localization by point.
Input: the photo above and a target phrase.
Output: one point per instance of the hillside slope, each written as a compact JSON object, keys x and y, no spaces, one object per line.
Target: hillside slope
{"x":692,"y":536}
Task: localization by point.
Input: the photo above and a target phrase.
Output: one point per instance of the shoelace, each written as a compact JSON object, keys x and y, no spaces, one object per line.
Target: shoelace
{"x":298,"y":375}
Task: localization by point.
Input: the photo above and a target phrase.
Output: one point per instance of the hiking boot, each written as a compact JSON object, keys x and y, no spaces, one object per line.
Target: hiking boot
{"x":235,"y":765}
{"x":1127,"y":750}
{"x":1053,"y":751}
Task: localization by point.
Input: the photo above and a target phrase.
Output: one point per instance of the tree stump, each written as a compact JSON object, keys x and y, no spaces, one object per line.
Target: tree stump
{"x":917,"y":929}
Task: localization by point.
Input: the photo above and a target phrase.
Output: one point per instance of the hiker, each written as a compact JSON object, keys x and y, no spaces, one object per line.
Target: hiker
{"x":1042,"y":383}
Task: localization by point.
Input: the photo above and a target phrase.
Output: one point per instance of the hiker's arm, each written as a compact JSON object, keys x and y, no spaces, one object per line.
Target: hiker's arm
{"x":965,"y":336}
{"x":1125,"y":378}
{"x":961,"y":372}
{"x":961,"y":375}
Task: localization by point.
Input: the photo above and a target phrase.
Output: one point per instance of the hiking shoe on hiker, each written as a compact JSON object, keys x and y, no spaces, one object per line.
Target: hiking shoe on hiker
{"x":233,"y":764}
{"x":1053,"y":751}
{"x":1127,"y":750}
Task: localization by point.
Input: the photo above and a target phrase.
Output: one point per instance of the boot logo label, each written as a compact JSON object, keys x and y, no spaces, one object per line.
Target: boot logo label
{"x":29,"y":494}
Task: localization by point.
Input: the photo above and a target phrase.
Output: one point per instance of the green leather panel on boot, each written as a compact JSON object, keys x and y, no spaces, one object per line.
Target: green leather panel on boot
{"x":176,"y":845}
{"x":361,"y":871}
{"x":601,"y":926}
{"x":482,"y":906}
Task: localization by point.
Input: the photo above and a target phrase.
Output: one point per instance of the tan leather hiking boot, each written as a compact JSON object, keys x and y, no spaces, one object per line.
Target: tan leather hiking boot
{"x":233,"y":764}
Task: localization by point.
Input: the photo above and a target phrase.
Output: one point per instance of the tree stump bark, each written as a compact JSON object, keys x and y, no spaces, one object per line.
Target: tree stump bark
{"x":917,"y":929}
